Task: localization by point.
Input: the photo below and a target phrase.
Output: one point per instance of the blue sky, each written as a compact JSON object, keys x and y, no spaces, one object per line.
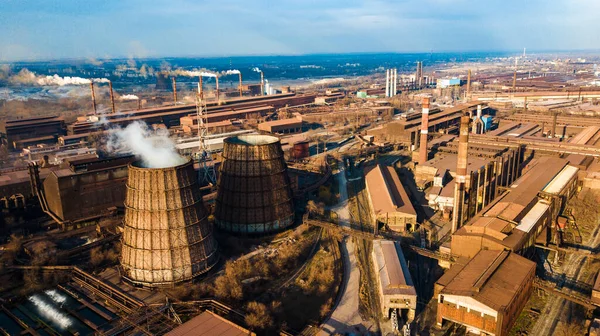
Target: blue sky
{"x":43,"y":29}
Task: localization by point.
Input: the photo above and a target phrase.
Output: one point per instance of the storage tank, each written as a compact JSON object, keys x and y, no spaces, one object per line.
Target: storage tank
{"x":301,"y":150}
{"x":167,"y":237}
{"x":254,"y":194}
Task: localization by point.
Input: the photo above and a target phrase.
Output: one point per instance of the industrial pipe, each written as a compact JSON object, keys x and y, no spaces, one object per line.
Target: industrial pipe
{"x":112,"y":97}
{"x":93,"y":97}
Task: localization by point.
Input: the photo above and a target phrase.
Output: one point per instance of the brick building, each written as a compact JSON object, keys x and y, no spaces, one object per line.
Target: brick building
{"x":487,"y":293}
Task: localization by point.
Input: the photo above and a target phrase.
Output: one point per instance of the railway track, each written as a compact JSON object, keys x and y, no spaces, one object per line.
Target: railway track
{"x":558,"y":305}
{"x":362,"y":216}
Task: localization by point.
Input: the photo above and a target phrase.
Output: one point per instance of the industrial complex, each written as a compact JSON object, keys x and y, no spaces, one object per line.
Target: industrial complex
{"x":440,"y":200}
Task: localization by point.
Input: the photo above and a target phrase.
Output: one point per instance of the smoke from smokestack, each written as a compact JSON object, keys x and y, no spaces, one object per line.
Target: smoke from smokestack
{"x":194,"y":73}
{"x":256,"y":69}
{"x":129,"y":97}
{"x":230,"y":72}
{"x":31,"y":78}
{"x":153,"y":147}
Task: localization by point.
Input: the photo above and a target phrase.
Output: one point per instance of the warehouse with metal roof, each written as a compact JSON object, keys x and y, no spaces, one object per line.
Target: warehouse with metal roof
{"x":487,"y":293}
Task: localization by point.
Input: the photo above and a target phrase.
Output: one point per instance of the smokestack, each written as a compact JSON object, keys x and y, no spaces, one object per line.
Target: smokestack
{"x":174,"y":90}
{"x":554,"y":117}
{"x":201,"y":88}
{"x":217,"y":89}
{"x":387,"y":83}
{"x":469,"y":83}
{"x":241,"y":89}
{"x":424,"y":131}
{"x":112,"y":97}
{"x":477,"y":122}
{"x":515,"y":81}
{"x":93,"y":97}
{"x":395,"y":84}
{"x":262,"y":83}
{"x":461,"y":173}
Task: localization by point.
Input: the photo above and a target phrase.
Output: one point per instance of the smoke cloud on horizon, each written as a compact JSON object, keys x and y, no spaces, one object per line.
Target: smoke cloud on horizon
{"x":27,"y":77}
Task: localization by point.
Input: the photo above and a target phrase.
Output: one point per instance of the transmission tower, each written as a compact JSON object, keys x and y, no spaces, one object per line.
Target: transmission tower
{"x":207,"y":171}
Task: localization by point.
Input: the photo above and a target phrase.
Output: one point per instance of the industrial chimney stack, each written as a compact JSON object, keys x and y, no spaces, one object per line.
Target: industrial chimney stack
{"x":201,"y":88}
{"x":395,"y":83}
{"x":424,"y":131}
{"x":112,"y":97}
{"x":217,"y":89}
{"x":93,"y":97}
{"x":262,"y":83}
{"x":461,"y":173}
{"x":469,"y":84}
{"x":241,"y":88}
{"x":174,"y":90}
{"x":387,"y":83}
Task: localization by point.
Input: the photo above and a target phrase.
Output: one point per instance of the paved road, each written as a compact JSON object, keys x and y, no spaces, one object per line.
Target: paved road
{"x":342,"y":207}
{"x":345,"y":318}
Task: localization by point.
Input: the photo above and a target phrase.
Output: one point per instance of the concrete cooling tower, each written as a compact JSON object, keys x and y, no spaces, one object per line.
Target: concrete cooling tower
{"x":254,"y":194}
{"x":167,"y":237}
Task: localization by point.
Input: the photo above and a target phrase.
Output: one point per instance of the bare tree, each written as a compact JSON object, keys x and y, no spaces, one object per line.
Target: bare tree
{"x":258,"y":316}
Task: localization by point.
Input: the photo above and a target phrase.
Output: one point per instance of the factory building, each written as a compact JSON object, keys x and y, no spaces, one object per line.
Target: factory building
{"x":527,"y":210}
{"x":283,"y":126}
{"x":254,"y":194}
{"x":86,"y":188}
{"x":39,"y":129}
{"x":389,"y":202}
{"x":443,"y":83}
{"x":209,"y":324}
{"x":170,"y":115}
{"x":167,"y":238}
{"x":407,"y":130}
{"x":487,"y":293}
{"x":488,"y":167}
{"x":394,"y":284}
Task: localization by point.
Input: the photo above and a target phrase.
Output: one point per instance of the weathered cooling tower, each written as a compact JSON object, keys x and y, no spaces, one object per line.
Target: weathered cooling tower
{"x":254,"y":193}
{"x":167,"y":237}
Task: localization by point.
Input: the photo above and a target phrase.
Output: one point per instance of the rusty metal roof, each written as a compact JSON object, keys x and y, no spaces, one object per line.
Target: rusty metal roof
{"x":209,"y":324}
{"x":386,"y":191}
{"x":394,"y":275}
{"x":494,"y":278}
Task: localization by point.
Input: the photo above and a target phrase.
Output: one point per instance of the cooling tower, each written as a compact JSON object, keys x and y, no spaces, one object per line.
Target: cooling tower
{"x":254,"y":194}
{"x":167,"y":237}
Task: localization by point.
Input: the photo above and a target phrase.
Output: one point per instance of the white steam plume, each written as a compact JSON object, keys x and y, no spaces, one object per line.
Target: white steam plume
{"x":31,"y":78}
{"x":230,"y":72}
{"x":256,"y":70}
{"x":193,"y":73}
{"x":129,"y":97}
{"x":153,"y":147}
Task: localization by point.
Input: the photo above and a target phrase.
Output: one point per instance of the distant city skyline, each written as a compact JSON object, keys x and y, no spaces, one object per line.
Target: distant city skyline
{"x":57,"y":29}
